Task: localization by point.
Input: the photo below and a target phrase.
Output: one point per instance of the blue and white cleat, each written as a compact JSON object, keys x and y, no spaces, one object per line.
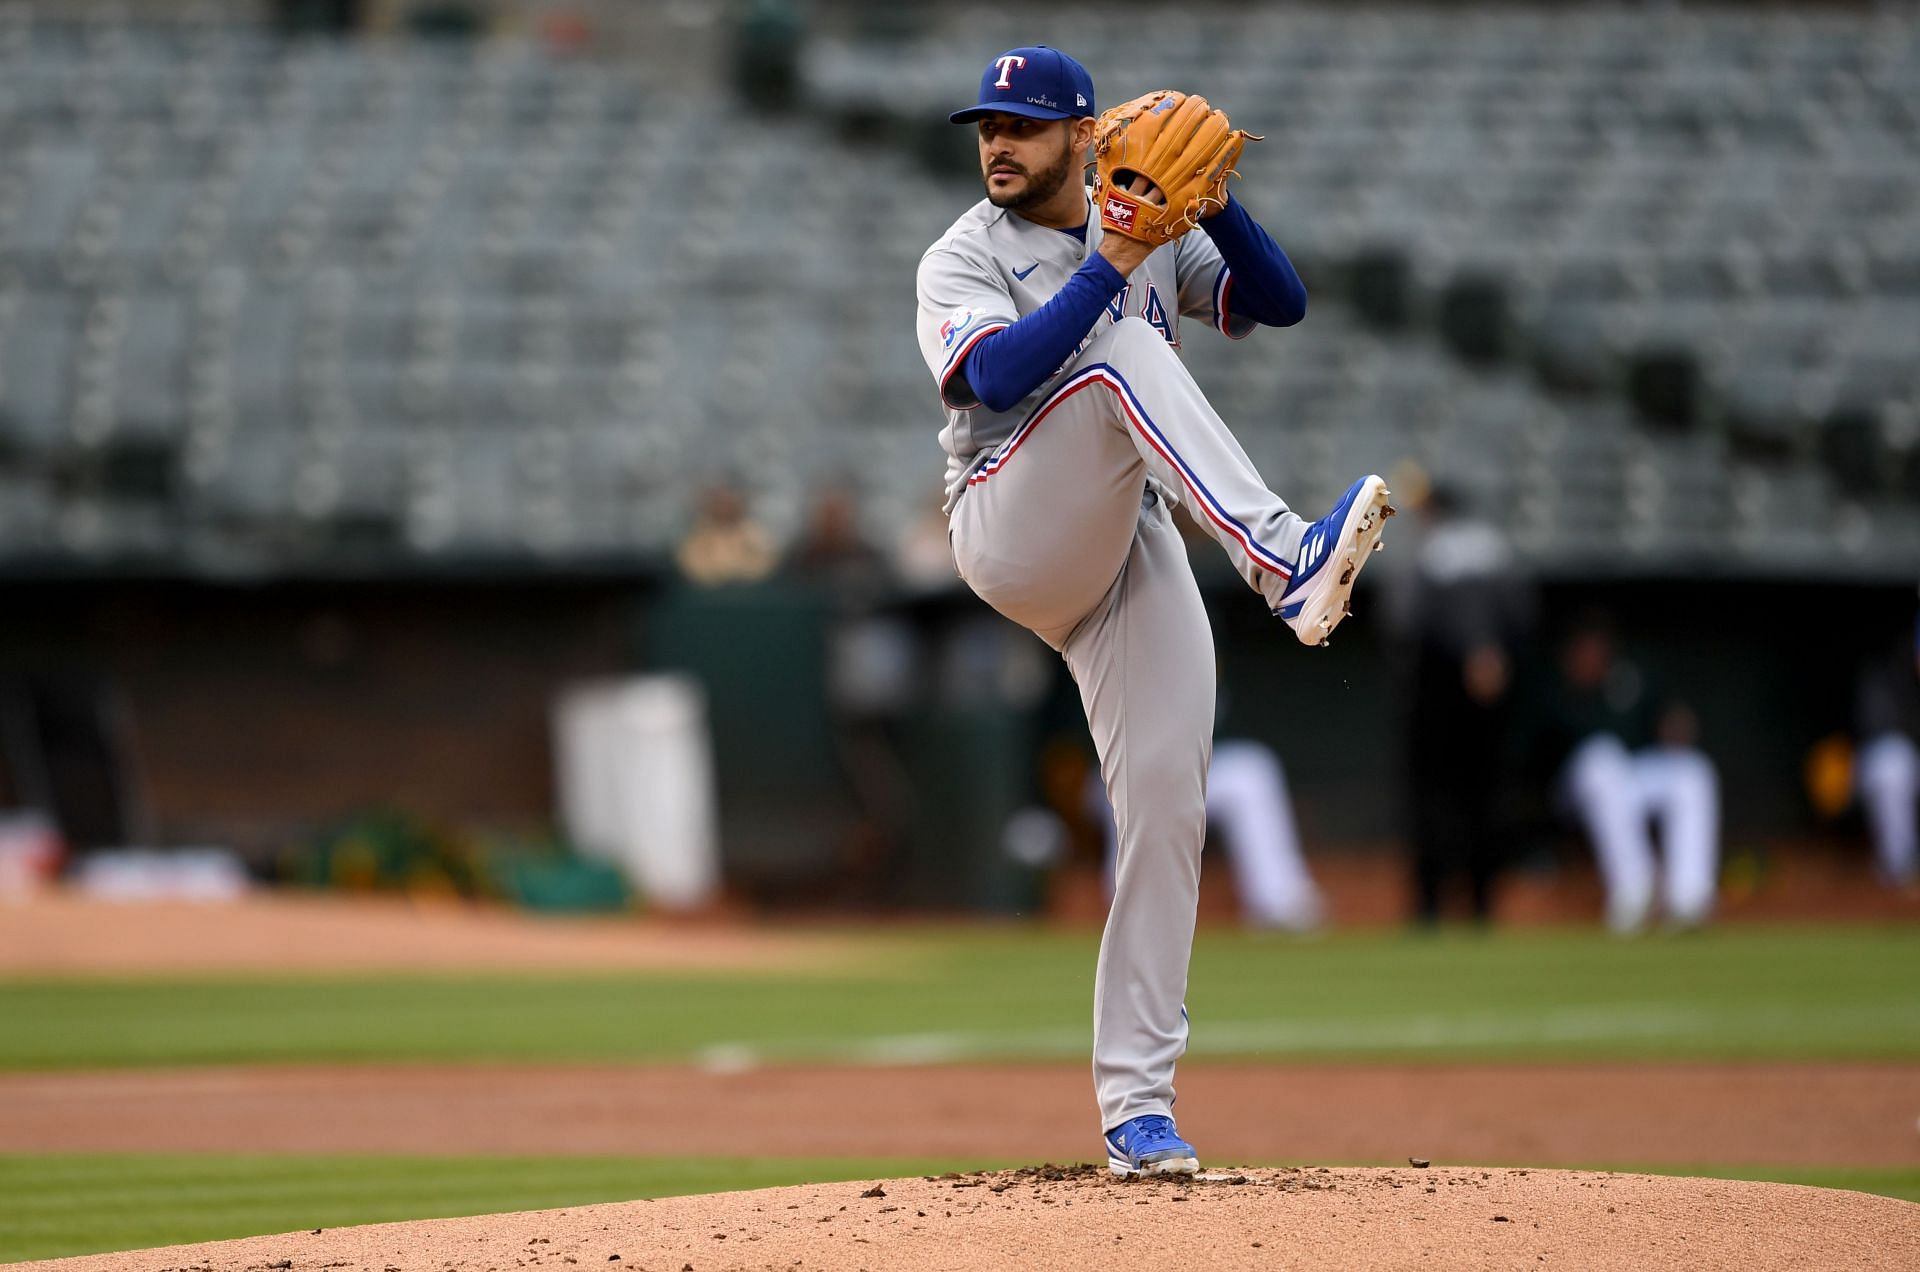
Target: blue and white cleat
{"x":1332,"y":551}
{"x":1149,"y":1146}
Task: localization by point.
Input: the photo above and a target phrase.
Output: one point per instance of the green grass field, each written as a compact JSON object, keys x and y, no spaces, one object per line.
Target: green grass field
{"x":1778,"y":993}
{"x":1751,"y":992}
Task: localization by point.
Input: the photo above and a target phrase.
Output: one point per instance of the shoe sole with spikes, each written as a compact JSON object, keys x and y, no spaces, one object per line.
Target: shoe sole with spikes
{"x":1329,"y":598}
{"x":1166,"y":1166}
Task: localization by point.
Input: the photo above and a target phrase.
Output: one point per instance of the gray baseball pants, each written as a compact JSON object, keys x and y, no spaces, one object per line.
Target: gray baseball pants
{"x":1067,"y":531}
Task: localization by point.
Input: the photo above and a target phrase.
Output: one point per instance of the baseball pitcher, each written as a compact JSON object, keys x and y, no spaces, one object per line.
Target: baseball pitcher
{"x":1050,"y":316}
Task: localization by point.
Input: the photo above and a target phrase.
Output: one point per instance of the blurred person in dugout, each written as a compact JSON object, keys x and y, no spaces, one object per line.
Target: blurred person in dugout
{"x":873,"y":665}
{"x":1460,"y":610}
{"x":1628,"y":761}
{"x":1249,"y":808}
{"x":834,"y":553}
{"x":725,"y":544}
{"x":1887,"y":766}
{"x":923,"y":552}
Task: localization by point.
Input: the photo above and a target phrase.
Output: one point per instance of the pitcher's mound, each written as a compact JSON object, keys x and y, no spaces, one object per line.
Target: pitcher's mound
{"x":1080,"y":1217}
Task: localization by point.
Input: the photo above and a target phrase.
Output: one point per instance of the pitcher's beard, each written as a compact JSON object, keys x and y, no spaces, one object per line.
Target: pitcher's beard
{"x":1041,"y":186}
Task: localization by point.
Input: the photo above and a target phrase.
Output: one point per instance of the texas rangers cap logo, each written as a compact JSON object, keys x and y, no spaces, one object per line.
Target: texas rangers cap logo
{"x":1034,"y":81}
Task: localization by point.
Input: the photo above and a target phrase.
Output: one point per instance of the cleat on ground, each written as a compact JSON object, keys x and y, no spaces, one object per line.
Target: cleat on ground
{"x":1149,"y":1145}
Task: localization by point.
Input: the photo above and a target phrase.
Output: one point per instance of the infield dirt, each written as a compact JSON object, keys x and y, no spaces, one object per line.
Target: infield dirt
{"x":1678,"y":1114}
{"x":1079,"y":1217}
{"x":1774,"y":1114}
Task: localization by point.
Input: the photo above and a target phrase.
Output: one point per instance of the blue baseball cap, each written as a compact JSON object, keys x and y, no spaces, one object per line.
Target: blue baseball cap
{"x":1038,"y":82}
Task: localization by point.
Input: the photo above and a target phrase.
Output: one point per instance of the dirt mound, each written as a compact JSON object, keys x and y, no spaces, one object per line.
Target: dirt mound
{"x":1079,"y":1216}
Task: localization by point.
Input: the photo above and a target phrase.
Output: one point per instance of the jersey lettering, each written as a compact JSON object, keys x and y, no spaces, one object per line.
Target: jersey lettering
{"x":1154,"y":311}
{"x":1156,"y":315}
{"x":1006,"y":65}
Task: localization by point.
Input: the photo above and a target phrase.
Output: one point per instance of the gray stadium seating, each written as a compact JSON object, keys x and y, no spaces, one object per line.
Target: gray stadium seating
{"x":410,"y":301}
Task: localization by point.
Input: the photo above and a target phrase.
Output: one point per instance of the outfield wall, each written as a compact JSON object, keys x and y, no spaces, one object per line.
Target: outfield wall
{"x":251,"y":716}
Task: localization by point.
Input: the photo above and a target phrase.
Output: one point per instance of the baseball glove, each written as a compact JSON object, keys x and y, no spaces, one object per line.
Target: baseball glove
{"x":1178,"y":142}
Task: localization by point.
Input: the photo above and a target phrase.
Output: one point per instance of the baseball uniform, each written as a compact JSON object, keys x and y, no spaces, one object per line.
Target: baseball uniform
{"x":1060,"y":518}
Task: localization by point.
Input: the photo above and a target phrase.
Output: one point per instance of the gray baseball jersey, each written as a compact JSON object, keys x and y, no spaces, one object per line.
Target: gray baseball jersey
{"x":993,"y":267}
{"x":1059,"y":516}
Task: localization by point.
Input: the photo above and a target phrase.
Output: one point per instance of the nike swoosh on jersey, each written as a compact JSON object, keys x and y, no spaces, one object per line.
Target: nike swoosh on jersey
{"x":1021,"y":274}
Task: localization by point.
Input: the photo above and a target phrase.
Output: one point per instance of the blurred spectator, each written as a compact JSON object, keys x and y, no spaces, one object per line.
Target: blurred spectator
{"x":725,"y":544}
{"x":1464,"y":614}
{"x":873,"y":660}
{"x":30,"y":851}
{"x":833,"y":553}
{"x":873,"y":672}
{"x":924,"y":554}
{"x":1627,"y":760}
{"x":1249,"y":808}
{"x":768,"y":44}
{"x":323,"y":17}
{"x":1887,"y":715}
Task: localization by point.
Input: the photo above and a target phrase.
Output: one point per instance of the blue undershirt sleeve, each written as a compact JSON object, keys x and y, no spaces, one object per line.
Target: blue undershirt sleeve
{"x":1014,"y":361}
{"x":1265,"y":286}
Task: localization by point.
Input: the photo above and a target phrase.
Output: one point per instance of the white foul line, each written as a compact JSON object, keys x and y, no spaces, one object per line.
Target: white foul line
{"x":1247,"y":1037}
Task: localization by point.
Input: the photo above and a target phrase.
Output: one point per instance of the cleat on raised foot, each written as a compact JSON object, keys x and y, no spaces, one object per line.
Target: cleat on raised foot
{"x":1149,"y":1145}
{"x":1318,"y":595}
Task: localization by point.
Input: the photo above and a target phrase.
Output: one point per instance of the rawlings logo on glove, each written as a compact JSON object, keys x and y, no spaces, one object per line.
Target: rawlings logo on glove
{"x":1178,"y":142}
